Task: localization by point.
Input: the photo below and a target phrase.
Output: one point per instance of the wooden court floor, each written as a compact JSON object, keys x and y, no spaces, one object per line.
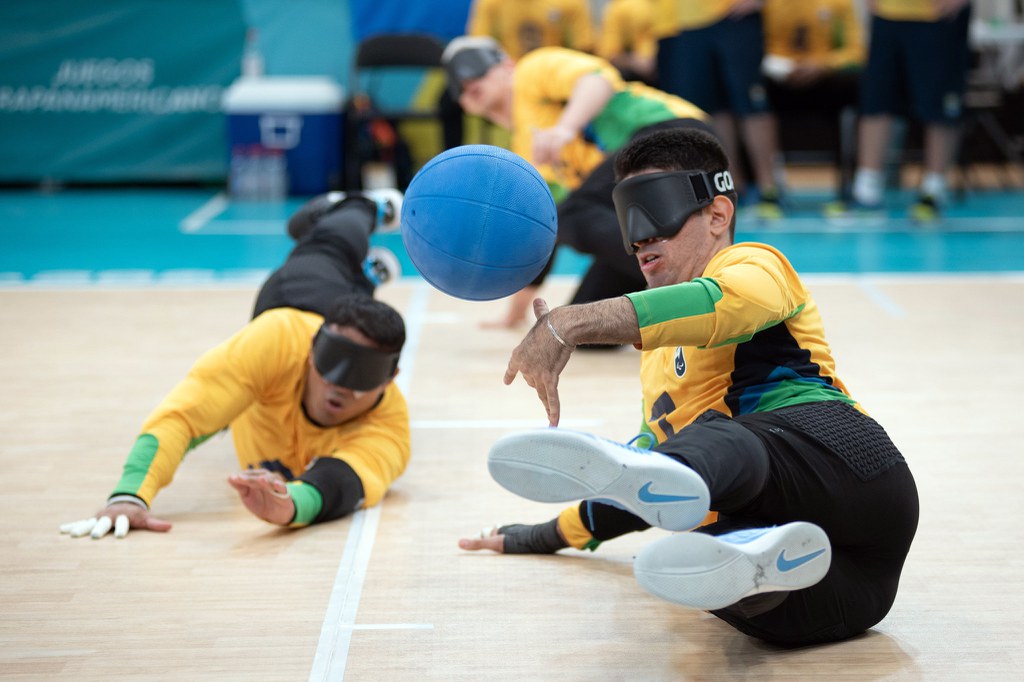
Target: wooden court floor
{"x":386,"y":594}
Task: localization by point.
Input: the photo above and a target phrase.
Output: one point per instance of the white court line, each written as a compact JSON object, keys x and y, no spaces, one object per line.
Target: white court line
{"x":331,"y":657}
{"x":395,"y":626}
{"x":890,"y":306}
{"x":336,"y":632}
{"x":198,"y":218}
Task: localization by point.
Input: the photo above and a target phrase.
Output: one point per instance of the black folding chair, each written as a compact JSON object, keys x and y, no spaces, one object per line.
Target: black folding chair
{"x":380,"y":64}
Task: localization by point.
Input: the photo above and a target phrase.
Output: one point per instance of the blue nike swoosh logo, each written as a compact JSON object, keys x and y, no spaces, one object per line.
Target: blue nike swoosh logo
{"x":784,"y":564}
{"x":646,"y":495}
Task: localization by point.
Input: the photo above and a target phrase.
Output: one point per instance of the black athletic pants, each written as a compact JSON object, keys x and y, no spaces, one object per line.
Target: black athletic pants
{"x":326,"y":262}
{"x":822,"y":462}
{"x":817,"y":111}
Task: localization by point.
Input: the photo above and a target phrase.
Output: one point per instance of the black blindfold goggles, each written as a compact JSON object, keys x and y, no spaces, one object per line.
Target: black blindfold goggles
{"x":469,"y":64}
{"x":343,"y":362}
{"x":655,"y":205}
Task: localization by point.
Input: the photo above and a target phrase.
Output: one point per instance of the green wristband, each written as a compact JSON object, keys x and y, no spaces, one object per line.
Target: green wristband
{"x":308,"y":503}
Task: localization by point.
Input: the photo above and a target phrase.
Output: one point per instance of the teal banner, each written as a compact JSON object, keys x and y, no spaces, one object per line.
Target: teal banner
{"x":119,"y":91}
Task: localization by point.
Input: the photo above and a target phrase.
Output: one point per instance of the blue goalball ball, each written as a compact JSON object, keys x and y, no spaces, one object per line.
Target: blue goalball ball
{"x":478,"y":222}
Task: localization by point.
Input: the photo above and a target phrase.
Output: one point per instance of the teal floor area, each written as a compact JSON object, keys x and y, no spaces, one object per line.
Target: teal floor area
{"x":85,"y":237}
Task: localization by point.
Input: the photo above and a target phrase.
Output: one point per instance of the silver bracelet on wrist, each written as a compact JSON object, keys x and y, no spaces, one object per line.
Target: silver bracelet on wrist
{"x":130,"y":499}
{"x":558,"y":338}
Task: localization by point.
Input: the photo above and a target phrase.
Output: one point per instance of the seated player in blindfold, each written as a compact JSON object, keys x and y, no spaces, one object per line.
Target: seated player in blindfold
{"x":812,"y":507}
{"x":319,"y":426}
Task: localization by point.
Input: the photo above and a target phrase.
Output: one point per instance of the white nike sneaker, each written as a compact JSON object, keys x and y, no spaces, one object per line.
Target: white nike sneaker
{"x":557,"y":465}
{"x":387,"y":201}
{"x":389,"y":208}
{"x":381,"y":266}
{"x":711,"y":572}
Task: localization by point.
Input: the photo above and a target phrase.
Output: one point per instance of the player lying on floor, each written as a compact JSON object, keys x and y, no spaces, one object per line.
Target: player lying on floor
{"x":307,"y":387}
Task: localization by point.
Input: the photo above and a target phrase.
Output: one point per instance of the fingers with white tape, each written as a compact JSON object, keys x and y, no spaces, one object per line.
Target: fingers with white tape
{"x":97,"y":527}
{"x":101,"y":528}
{"x":77,"y":529}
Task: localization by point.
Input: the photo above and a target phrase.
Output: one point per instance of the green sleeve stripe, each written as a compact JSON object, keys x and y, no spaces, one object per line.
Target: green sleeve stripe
{"x":137,"y":466}
{"x":746,"y":337}
{"x":663,"y":304}
{"x":308,"y":503}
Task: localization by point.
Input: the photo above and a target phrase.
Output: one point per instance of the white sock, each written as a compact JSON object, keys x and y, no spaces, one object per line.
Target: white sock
{"x":868,"y":185}
{"x":934,"y":185}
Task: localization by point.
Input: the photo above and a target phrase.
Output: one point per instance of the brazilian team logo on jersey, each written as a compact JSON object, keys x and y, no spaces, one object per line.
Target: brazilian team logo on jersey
{"x":680,"y":362}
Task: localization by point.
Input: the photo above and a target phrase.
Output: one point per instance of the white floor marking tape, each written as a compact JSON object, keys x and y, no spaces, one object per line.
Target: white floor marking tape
{"x":340,"y":620}
{"x":198,"y":218}
{"x":394,"y":626}
{"x":870,"y":288}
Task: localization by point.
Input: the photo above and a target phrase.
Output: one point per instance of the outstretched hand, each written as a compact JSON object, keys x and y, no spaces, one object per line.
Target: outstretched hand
{"x":119,"y":517}
{"x":540,"y":357}
{"x":518,"y":538}
{"x":489,"y":538}
{"x":548,"y":143}
{"x":265,"y":495}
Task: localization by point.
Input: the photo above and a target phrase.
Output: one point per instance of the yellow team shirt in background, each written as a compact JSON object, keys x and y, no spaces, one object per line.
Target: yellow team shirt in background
{"x":673,"y":16}
{"x":823,"y":32}
{"x":906,"y":10}
{"x":520,"y":26}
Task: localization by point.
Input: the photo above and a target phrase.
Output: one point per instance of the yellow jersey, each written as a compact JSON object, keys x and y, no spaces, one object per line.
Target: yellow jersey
{"x":744,"y":337}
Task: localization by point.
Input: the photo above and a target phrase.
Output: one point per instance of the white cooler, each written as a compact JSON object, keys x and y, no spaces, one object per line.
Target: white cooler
{"x":299,"y":117}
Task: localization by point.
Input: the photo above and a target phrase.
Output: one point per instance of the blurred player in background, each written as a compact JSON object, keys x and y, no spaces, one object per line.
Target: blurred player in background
{"x":627,"y":39}
{"x":917,"y":65}
{"x":521,"y":26}
{"x":710,"y":53}
{"x":567,"y":112}
{"x":814,"y":55}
